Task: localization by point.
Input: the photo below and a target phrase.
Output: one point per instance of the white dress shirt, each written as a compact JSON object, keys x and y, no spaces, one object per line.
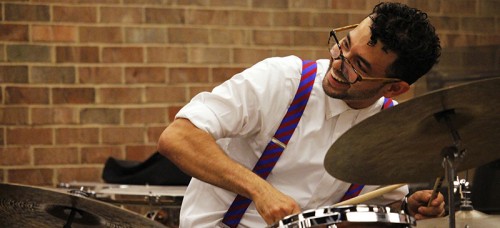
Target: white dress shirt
{"x":243,"y":113}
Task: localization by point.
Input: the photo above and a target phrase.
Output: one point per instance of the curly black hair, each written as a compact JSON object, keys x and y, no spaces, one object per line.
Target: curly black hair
{"x":407,"y":32}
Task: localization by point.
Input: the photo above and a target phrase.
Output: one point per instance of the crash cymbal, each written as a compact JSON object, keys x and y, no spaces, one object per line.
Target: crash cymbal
{"x":26,"y":206}
{"x":463,"y":219}
{"x":403,"y":144}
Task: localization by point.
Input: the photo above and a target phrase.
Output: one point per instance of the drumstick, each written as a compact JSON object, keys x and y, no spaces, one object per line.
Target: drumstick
{"x":435,"y":191}
{"x":369,"y":195}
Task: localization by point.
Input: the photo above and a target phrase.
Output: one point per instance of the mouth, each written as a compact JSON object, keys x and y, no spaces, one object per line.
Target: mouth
{"x":338,"y":78}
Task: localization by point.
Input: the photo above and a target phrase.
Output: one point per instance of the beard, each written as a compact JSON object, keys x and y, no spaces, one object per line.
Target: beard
{"x":351,"y":93}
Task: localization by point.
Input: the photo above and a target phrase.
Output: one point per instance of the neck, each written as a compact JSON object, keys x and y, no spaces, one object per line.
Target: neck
{"x":360,"y":104}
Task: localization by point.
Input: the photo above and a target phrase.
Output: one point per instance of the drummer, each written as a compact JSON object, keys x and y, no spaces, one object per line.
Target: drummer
{"x":219,"y":136}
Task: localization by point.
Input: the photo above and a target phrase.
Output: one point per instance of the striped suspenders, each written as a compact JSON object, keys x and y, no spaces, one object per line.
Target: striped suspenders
{"x":278,"y":143}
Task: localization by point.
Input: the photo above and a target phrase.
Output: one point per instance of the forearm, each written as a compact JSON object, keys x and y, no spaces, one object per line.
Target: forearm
{"x":196,"y":153}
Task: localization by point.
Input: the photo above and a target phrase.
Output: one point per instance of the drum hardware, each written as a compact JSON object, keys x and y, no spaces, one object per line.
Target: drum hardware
{"x":29,"y":206}
{"x":347,"y":216}
{"x":466,"y":216}
{"x":157,"y":203}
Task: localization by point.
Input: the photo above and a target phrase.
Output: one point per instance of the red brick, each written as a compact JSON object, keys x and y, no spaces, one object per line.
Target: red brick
{"x":99,"y":155}
{"x":230,"y":3}
{"x":303,"y":38}
{"x":251,"y":18}
{"x":352,"y":4}
{"x":100,"y":116}
{"x":80,"y":174}
{"x":188,"y":35}
{"x":125,"y":15}
{"x":251,"y":56}
{"x":74,"y":14}
{"x":275,"y":4}
{"x":193,"y":90}
{"x":272,"y":38}
{"x":29,"y":136}
{"x":296,"y":19}
{"x":148,"y":2}
{"x":154,"y":133}
{"x":135,"y":75}
{"x":165,"y":16}
{"x":13,"y":115}
{"x":330,"y":20}
{"x":28,"y":53}
{"x":11,"y":32}
{"x":26,"y":95}
{"x":144,"y":115}
{"x":101,"y":35}
{"x":100,"y":75}
{"x":71,"y":54}
{"x":172,"y":111}
{"x":31,"y":176}
{"x":188,"y":75}
{"x":478,"y":24}
{"x":221,"y":74}
{"x":139,"y":153}
{"x":73,"y":95}
{"x":77,"y":136}
{"x":13,"y":74}
{"x":54,"y":33}
{"x":229,"y":36}
{"x":11,"y":156}
{"x":123,"y":135}
{"x":54,"y":115}
{"x":165,"y":94}
{"x":207,"y":17}
{"x":210,"y":55}
{"x":145,"y":35}
{"x":122,"y":55}
{"x":304,"y":4}
{"x":459,"y":7}
{"x":166,"y":55}
{"x":53,"y":75}
{"x":124,"y":95}
{"x":21,"y":12}
{"x":56,"y":156}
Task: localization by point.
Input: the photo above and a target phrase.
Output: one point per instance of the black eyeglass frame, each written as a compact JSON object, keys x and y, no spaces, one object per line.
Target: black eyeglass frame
{"x":345,"y":60}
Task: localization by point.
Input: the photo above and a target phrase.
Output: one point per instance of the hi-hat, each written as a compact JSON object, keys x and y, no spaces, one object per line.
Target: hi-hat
{"x":463,"y":219}
{"x":26,"y":206}
{"x":403,"y":144}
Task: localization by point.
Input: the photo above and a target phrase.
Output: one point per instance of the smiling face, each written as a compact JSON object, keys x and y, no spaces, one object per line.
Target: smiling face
{"x":368,"y":60}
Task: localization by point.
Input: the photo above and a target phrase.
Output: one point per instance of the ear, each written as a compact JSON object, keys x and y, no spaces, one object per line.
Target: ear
{"x":396,"y":88}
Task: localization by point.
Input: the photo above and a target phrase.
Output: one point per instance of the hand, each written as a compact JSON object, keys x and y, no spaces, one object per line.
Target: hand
{"x":417,"y":205}
{"x":273,"y":205}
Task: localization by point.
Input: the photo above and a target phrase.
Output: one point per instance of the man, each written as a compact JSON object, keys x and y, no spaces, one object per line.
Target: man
{"x":218,"y":137}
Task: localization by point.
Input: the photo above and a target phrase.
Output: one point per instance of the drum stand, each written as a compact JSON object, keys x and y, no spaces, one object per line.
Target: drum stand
{"x":452,"y":156}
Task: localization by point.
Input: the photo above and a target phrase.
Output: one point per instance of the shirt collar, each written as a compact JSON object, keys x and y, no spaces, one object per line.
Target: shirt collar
{"x":335,"y":107}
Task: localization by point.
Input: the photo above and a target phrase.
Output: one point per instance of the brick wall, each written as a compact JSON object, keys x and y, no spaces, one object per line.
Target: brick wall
{"x":82,"y":80}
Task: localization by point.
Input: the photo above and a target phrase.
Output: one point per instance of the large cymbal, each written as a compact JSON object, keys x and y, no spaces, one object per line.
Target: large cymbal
{"x":403,"y":144}
{"x":25,"y":206}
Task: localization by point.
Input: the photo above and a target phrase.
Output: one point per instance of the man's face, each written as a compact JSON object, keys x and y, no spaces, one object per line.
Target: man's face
{"x":369,"y":61}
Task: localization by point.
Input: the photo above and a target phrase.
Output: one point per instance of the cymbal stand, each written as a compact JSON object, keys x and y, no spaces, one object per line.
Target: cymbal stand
{"x":452,"y":156}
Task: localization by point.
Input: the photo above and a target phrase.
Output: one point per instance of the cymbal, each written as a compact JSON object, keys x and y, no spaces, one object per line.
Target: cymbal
{"x":27,"y":206}
{"x":403,"y":144}
{"x":462,"y":219}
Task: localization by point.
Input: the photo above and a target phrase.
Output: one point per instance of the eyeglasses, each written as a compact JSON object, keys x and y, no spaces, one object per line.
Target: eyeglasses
{"x":350,"y":74}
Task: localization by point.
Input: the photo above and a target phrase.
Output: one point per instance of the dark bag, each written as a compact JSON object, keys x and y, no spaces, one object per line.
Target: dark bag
{"x":156,"y":170}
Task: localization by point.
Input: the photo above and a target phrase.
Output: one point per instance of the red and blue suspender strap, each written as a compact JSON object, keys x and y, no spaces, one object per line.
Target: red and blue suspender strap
{"x":277,"y":145}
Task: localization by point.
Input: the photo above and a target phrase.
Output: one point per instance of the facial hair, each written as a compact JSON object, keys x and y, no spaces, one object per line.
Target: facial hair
{"x":351,"y":93}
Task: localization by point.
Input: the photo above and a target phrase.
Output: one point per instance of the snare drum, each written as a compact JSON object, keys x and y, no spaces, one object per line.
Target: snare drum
{"x":347,"y":216}
{"x":160,"y":203}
